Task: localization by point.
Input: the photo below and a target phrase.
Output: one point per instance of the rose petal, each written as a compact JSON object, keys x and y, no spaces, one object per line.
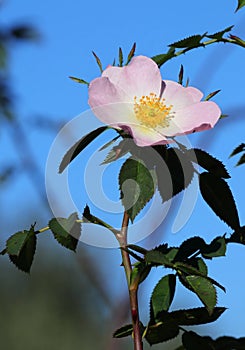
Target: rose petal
{"x":196,"y":117}
{"x":145,"y":136}
{"x":107,"y":102}
{"x":140,"y":77}
{"x":196,"y":94}
{"x":180,"y":96}
{"x":102,"y":91}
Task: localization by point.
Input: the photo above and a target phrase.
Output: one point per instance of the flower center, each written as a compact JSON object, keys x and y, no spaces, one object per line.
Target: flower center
{"x":151,"y":111}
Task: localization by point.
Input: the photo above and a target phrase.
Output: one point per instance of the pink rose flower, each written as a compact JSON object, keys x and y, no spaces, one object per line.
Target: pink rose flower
{"x":134,"y":98}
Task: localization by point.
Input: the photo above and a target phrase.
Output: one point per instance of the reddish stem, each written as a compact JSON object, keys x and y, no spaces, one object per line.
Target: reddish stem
{"x":133,"y":291}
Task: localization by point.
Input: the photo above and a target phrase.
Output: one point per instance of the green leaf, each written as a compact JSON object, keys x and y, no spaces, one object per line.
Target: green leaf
{"x":89,"y":218}
{"x":127,"y":330}
{"x":219,"y":35}
{"x":192,"y":341}
{"x":163,"y":248}
{"x":109,"y":143}
{"x":217,"y":194}
{"x":111,"y":156}
{"x":16,"y":242}
{"x":131,"y":54}
{"x":162,"y":296}
{"x":197,"y":316}
{"x":174,"y":173}
{"x":241,"y":160}
{"x":171,"y":254}
{"x":98,"y":61}
{"x":237,"y":236}
{"x":137,"y":248}
{"x":162,"y":58}
{"x":189,"y":247}
{"x":181,"y":74}
{"x":136,"y":186}
{"x":161,"y":255}
{"x":182,"y":279}
{"x":190,"y":42}
{"x":215,"y":249}
{"x":238,"y":149}
{"x":127,"y":145}
{"x":157,"y":258}
{"x":161,"y":332}
{"x":124,"y":331}
{"x":195,"y":262}
{"x":187,"y":268}
{"x":118,"y":151}
{"x":205,"y":291}
{"x":223,"y":116}
{"x":208,"y":162}
{"x":78,"y":80}
{"x":120,"y":55}
{"x":202,"y":267}
{"x":227,"y":343}
{"x":79,"y":146}
{"x":190,"y":270}
{"x":212,"y":94}
{"x":241,"y":3}
{"x":133,"y":254}
{"x":66,"y":231}
{"x":21,"y":249}
{"x":139,"y":273}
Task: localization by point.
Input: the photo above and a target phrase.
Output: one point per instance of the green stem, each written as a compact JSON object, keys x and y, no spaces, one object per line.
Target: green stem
{"x":93,"y":219}
{"x":233,"y":40}
{"x":133,"y":291}
{"x":206,"y":43}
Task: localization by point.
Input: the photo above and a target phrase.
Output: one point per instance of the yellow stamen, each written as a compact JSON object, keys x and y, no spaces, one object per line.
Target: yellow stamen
{"x":152,"y":111}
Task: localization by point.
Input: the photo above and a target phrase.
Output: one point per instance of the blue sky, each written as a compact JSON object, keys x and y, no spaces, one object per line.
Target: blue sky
{"x":70,"y":31}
